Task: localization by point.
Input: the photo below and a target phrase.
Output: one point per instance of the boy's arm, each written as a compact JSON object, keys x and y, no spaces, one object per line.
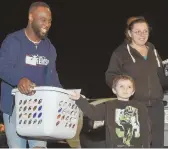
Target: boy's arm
{"x":145,"y":127}
{"x":91,"y":111}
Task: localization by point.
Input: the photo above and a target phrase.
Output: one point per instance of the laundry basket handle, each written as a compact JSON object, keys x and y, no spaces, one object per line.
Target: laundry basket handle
{"x":13,"y":92}
{"x":48,"y":88}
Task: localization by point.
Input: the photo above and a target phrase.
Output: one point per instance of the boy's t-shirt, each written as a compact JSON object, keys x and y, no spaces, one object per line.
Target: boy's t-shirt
{"x":126,"y":122}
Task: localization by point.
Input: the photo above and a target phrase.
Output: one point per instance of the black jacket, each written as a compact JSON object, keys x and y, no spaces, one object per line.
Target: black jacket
{"x":148,"y":74}
{"x":120,"y":119}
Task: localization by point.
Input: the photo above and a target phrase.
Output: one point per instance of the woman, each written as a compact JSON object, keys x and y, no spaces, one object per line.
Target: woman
{"x":139,"y":59}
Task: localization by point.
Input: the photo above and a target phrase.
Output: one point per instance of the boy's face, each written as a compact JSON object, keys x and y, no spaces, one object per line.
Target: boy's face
{"x":124,"y":89}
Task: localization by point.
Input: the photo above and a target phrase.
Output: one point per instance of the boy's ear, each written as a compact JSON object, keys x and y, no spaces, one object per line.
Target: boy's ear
{"x":114,"y":91}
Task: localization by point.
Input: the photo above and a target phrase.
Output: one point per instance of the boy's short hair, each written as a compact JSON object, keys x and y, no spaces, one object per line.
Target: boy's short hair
{"x":122,"y":77}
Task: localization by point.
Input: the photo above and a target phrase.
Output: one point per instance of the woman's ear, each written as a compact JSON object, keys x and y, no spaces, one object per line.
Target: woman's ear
{"x":114,"y":91}
{"x":129,"y":33}
{"x":133,"y":92}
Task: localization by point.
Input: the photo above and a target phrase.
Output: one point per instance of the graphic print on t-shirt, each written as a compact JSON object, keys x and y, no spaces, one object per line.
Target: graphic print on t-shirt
{"x":35,"y":60}
{"x":127,"y":125}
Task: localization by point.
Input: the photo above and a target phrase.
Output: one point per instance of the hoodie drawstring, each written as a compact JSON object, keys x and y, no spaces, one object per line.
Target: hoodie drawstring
{"x":158,"y":62}
{"x":128,"y":48}
{"x":155,"y":52}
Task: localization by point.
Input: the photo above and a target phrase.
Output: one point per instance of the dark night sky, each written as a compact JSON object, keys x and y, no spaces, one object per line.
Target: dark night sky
{"x":85,"y":34}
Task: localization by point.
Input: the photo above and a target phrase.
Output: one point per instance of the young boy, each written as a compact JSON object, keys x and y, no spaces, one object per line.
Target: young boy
{"x":125,"y":120}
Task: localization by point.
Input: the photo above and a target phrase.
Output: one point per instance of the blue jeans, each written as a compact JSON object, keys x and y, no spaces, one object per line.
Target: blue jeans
{"x":13,"y":139}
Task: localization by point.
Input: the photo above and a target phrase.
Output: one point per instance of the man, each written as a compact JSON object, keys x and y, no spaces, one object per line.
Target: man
{"x":27,"y":59}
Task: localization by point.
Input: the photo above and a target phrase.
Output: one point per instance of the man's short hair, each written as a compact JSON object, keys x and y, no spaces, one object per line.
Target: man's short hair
{"x":34,"y":5}
{"x":122,"y":77}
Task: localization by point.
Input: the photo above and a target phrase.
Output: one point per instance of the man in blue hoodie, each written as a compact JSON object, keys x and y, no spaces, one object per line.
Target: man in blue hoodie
{"x":27,"y":59}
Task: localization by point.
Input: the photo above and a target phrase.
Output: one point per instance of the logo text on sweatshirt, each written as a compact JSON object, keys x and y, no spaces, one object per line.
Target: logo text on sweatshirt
{"x":36,"y":60}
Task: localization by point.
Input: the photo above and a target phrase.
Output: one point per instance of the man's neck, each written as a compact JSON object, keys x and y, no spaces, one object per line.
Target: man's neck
{"x":31,"y":35}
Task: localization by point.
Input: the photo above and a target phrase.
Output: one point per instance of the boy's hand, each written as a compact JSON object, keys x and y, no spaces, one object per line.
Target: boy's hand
{"x":74,"y":95}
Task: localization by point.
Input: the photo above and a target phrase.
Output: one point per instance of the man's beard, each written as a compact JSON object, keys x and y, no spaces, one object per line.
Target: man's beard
{"x":38,"y":32}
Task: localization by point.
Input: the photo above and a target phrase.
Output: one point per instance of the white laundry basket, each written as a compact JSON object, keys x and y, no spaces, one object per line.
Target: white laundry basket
{"x":48,"y":114}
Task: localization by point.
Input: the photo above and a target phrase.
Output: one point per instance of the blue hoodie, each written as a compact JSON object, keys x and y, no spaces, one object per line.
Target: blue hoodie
{"x":19,"y":57}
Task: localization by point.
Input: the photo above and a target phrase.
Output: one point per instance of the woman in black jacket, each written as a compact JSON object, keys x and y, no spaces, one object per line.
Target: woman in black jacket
{"x":139,"y":59}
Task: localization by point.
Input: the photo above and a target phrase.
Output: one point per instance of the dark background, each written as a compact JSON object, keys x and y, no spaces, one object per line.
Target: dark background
{"x":85,"y":33}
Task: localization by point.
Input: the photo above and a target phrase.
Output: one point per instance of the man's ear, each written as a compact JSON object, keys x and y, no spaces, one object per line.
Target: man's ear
{"x":30,"y":18}
{"x":114,"y":91}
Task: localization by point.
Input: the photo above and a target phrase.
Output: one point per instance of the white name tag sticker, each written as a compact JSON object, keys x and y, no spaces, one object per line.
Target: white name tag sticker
{"x":31,"y":60}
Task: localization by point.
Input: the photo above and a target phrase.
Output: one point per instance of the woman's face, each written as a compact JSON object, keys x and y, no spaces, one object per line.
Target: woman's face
{"x":139,"y":34}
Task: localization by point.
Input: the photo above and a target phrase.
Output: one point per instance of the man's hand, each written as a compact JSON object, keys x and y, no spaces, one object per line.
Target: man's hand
{"x":26,"y":86}
{"x":2,"y":128}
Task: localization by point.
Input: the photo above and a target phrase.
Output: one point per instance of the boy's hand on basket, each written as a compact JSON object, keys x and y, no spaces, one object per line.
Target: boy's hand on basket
{"x":26,"y":86}
{"x":74,"y":95}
